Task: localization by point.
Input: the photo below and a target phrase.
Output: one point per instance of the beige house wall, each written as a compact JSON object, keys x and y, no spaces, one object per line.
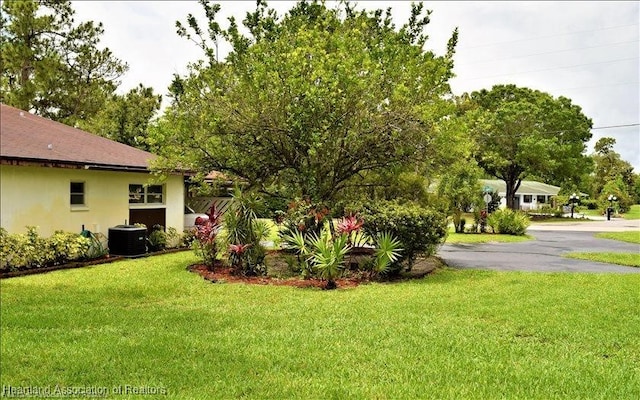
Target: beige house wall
{"x":40,"y":196}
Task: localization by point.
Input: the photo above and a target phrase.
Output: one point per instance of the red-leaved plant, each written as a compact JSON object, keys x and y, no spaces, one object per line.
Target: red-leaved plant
{"x":206,"y":234}
{"x":236,"y":252}
{"x":349,"y":224}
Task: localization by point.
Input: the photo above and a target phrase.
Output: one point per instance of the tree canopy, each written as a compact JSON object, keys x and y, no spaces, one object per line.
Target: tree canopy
{"x":612,"y":175}
{"x":52,"y":66}
{"x":309,"y":103}
{"x":521,"y":132}
{"x":126,"y":118}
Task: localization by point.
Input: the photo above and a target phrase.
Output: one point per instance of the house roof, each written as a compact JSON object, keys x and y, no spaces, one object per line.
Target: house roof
{"x":526,"y":187}
{"x":30,"y":138}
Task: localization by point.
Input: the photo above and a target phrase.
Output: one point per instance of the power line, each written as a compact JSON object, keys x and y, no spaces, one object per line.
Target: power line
{"x":547,"y":36}
{"x":615,"y":126}
{"x":597,"y":86}
{"x":551,"y":69}
{"x":549,"y":52}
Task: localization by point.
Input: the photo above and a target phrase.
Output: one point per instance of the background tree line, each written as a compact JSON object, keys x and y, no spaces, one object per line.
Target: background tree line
{"x":330,"y":104}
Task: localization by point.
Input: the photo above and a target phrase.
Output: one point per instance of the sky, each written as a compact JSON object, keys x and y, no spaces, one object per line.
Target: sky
{"x":587,"y":51}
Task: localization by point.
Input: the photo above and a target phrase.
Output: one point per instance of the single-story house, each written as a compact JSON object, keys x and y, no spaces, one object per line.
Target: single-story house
{"x":58,"y":177}
{"x":531,"y":195}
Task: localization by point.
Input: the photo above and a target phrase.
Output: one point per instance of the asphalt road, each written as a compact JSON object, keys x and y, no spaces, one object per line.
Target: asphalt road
{"x":544,"y":254}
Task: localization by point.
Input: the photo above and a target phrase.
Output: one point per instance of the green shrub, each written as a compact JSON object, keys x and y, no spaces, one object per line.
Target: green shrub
{"x":174,"y":239}
{"x":157,"y":238}
{"x":67,"y":247}
{"x":244,"y":234}
{"x":420,"y":230}
{"x":591,"y":204}
{"x":12,"y":251}
{"x":30,"y":250}
{"x":303,"y":216}
{"x":508,"y":222}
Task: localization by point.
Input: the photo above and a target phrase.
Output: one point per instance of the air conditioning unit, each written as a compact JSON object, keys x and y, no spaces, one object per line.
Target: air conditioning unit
{"x":127,"y":241}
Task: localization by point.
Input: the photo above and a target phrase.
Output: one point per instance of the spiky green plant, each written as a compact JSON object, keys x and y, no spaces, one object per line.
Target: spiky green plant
{"x":328,"y":255}
{"x":387,"y":252}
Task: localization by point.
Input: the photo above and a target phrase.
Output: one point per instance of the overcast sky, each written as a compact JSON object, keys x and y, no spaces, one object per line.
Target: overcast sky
{"x":587,"y":51}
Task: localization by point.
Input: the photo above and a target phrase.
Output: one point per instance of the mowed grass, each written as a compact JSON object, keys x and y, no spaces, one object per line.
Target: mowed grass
{"x":628,"y":259}
{"x":452,"y":335}
{"x":627,"y":236}
{"x":633,"y":213}
{"x":485,"y":238}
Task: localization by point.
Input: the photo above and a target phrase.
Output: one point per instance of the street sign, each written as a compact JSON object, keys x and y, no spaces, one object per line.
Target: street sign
{"x":487,"y":189}
{"x":487,"y":198}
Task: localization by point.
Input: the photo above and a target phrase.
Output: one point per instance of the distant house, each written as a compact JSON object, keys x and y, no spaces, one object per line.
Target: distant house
{"x":531,"y":195}
{"x":58,"y":177}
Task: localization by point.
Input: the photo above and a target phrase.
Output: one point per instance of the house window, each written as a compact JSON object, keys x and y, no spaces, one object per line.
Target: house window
{"x":541,"y":198}
{"x":76,"y":193}
{"x":527,"y":198}
{"x":141,"y":194}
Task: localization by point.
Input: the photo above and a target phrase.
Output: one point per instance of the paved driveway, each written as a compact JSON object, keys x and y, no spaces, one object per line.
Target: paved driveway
{"x":544,"y":254}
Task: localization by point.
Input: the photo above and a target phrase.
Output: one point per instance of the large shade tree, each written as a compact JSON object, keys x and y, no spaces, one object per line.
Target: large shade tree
{"x":612,"y":172}
{"x":126,"y":118}
{"x":309,"y":103}
{"x":521,"y":132}
{"x":51,"y":65}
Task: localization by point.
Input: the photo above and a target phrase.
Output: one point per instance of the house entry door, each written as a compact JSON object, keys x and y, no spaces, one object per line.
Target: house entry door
{"x":148,"y":216}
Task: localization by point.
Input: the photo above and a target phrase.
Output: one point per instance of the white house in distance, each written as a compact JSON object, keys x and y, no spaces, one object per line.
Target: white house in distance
{"x":58,"y":177}
{"x":531,"y":195}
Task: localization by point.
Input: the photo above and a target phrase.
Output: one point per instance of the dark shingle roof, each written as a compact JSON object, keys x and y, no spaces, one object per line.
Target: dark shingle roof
{"x":28,"y":137}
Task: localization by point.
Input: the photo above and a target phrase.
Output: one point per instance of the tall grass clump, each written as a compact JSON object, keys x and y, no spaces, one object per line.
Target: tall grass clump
{"x":509,"y":222}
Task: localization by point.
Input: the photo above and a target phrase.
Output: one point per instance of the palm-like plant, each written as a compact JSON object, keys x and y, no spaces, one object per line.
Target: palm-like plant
{"x":296,"y":241}
{"x":387,"y":252}
{"x":328,"y":256}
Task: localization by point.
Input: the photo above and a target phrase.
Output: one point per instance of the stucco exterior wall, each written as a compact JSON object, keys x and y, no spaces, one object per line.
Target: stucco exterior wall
{"x":40,"y":196}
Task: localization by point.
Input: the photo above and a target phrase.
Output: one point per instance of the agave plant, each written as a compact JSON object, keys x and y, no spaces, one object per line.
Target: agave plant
{"x":327,"y":256}
{"x":387,"y":252}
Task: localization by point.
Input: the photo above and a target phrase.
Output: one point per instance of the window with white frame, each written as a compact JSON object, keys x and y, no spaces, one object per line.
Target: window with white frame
{"x":77,"y":194}
{"x":541,"y":198}
{"x":527,"y":198}
{"x":146,"y":194}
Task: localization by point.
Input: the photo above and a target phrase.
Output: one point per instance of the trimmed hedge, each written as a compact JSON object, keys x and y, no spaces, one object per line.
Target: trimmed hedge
{"x":420,"y":230}
{"x":30,"y":250}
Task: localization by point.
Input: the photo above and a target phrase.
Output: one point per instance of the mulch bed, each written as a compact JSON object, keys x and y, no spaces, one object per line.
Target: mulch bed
{"x":224,"y":274}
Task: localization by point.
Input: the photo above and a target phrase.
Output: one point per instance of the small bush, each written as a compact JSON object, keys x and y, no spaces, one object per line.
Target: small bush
{"x":303,"y":216}
{"x":174,"y":239}
{"x":205,"y":239}
{"x":67,"y":247}
{"x":244,"y":233}
{"x":420,"y":230}
{"x":591,"y":204}
{"x":30,"y":250}
{"x":157,"y":238}
{"x":508,"y":222}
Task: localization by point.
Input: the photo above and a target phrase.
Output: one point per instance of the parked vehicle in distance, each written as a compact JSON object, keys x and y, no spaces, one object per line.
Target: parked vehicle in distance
{"x":192,"y":218}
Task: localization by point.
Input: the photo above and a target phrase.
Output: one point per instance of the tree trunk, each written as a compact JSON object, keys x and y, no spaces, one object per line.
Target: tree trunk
{"x":512,"y":184}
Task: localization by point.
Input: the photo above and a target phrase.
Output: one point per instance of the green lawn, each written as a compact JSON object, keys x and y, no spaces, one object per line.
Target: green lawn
{"x":453,"y":335}
{"x":484,"y":238}
{"x":628,"y":259}
{"x":633,"y":213}
{"x":627,"y":236}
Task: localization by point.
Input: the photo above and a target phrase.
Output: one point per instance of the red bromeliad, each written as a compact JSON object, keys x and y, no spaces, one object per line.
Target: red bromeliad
{"x":349,"y":224}
{"x":238,"y":248}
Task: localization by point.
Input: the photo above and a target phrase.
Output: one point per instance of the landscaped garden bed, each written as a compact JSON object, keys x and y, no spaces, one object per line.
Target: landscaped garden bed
{"x":280,"y":273}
